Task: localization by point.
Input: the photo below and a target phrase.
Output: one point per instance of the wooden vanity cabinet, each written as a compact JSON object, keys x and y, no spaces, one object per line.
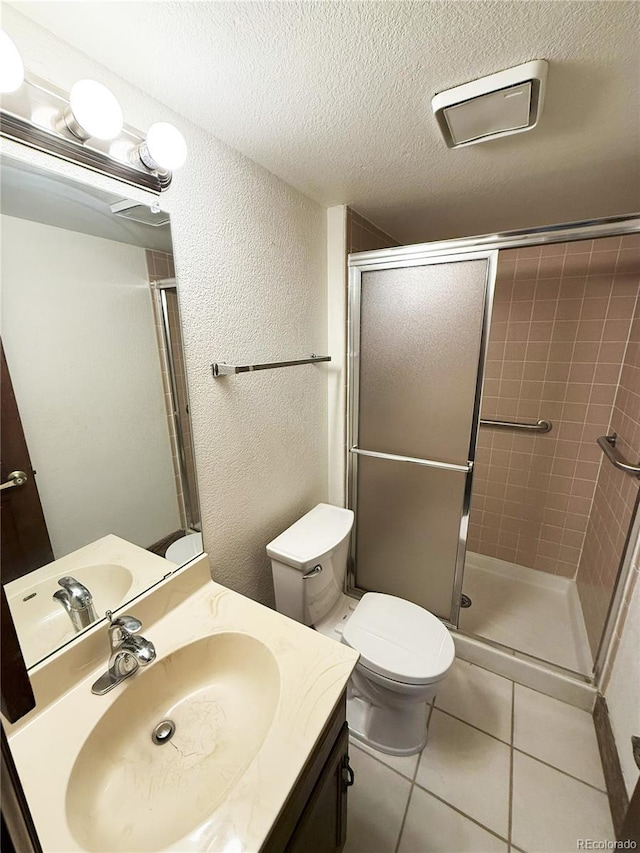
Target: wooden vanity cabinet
{"x":314,"y":818}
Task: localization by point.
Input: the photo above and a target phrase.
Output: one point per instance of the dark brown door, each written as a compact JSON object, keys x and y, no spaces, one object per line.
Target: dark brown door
{"x":25,"y":539}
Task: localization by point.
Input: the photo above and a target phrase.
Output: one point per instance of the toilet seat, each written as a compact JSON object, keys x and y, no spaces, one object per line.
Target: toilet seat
{"x":399,"y":640}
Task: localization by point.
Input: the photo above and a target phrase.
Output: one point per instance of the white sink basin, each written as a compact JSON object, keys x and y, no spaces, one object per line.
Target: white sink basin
{"x":127,"y":793}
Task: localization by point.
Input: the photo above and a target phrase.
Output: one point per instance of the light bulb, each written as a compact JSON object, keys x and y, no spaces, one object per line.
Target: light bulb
{"x":93,"y":111}
{"x":11,"y":65}
{"x":164,"y":148}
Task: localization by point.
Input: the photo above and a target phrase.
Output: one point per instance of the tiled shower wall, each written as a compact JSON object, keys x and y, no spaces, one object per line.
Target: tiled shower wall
{"x":615,"y":497}
{"x":364,"y":236}
{"x":561,"y":323}
{"x":183,"y":403}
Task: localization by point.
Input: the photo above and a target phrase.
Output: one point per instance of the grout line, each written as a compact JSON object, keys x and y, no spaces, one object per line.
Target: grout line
{"x":404,"y":817}
{"x":455,"y":808}
{"x":415,"y":776}
{"x":513,"y":724}
{"x":485,"y":669}
{"x":471,"y":726}
{"x":355,"y":744}
{"x":511,"y":283}
{"x":564,"y":772}
{"x":460,"y":812}
{"x":617,"y":385}
{"x":433,"y":705}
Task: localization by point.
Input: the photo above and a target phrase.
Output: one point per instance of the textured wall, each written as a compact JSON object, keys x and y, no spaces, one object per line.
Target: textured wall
{"x":347,"y":231}
{"x":558,"y":335}
{"x":77,"y":316}
{"x":250,"y":263}
{"x":337,"y":340}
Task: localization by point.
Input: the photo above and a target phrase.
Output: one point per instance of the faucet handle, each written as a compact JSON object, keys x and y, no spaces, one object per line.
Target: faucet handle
{"x":120,"y":628}
{"x":127,"y":623}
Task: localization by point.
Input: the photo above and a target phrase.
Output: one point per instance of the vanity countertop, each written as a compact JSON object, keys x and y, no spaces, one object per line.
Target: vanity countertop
{"x":312,"y":671}
{"x":104,"y":566}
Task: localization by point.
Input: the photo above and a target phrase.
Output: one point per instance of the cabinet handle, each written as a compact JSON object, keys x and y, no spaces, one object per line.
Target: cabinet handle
{"x":348,"y":776}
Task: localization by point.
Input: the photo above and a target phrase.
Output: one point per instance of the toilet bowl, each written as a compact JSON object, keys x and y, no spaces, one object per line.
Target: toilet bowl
{"x":185,"y":549}
{"x":405,"y":651}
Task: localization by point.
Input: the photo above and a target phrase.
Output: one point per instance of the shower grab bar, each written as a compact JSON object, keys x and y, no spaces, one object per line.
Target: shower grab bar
{"x":428,"y":463}
{"x":219,"y":368}
{"x":539,"y":426}
{"x":608,"y":444}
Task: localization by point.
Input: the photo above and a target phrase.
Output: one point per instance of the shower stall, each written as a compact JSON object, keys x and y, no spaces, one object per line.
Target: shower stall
{"x":494,"y":431}
{"x":167,"y":311}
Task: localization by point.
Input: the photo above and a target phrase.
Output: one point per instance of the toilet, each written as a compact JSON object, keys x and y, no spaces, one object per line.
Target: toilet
{"x":185,"y":549}
{"x":405,"y":651}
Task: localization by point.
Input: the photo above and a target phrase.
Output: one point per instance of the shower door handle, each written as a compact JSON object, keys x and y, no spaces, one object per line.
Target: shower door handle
{"x":429,"y":463}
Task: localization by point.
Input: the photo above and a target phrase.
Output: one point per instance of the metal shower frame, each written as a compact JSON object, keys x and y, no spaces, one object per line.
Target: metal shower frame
{"x":159,"y":288}
{"x":487,"y":245}
{"x":353,"y":383}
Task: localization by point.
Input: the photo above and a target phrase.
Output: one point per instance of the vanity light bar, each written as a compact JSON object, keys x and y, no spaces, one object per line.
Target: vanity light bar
{"x":86,"y":127}
{"x":11,"y":65}
{"x":21,"y":130}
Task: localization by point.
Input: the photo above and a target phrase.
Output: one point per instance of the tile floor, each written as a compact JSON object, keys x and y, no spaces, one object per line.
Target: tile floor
{"x":505,"y":768}
{"x":527,"y":610}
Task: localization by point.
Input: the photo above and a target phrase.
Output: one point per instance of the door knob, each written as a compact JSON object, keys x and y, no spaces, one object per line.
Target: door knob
{"x":15,"y":478}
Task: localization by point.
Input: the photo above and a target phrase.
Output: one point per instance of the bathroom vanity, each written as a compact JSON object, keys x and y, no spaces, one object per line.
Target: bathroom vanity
{"x":315,"y":815}
{"x":258,"y":756}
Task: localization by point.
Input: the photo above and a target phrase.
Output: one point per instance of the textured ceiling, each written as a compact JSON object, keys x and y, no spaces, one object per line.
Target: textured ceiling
{"x":334,"y":98}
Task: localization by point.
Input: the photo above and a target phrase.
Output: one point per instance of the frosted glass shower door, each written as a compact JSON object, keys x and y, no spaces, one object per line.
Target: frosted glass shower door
{"x":417,"y":348}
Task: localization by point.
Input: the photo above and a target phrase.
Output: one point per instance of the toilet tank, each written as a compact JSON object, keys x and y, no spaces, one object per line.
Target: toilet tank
{"x":319,"y":538}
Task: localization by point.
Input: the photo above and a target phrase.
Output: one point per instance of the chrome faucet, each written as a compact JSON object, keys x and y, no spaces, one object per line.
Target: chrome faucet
{"x":127,"y":653}
{"x":77,"y":601}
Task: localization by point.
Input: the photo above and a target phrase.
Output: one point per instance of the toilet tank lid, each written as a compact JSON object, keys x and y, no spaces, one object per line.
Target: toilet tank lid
{"x":312,"y":536}
{"x":399,"y":640}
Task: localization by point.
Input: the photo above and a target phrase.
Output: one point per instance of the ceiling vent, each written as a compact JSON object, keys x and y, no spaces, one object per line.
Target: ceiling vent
{"x":492,"y":107}
{"x":142,"y":213}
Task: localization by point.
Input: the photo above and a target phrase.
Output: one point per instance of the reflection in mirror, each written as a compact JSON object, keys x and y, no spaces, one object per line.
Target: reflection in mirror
{"x":99,"y":497}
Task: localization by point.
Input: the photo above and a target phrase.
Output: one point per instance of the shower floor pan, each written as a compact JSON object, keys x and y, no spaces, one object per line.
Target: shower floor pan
{"x":529,"y":611}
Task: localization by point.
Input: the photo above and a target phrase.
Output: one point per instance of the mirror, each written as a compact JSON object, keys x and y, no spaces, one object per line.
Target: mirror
{"x":98,"y":472}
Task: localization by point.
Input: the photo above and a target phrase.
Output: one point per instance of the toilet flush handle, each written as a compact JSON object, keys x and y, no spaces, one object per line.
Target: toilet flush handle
{"x":312,"y":572}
